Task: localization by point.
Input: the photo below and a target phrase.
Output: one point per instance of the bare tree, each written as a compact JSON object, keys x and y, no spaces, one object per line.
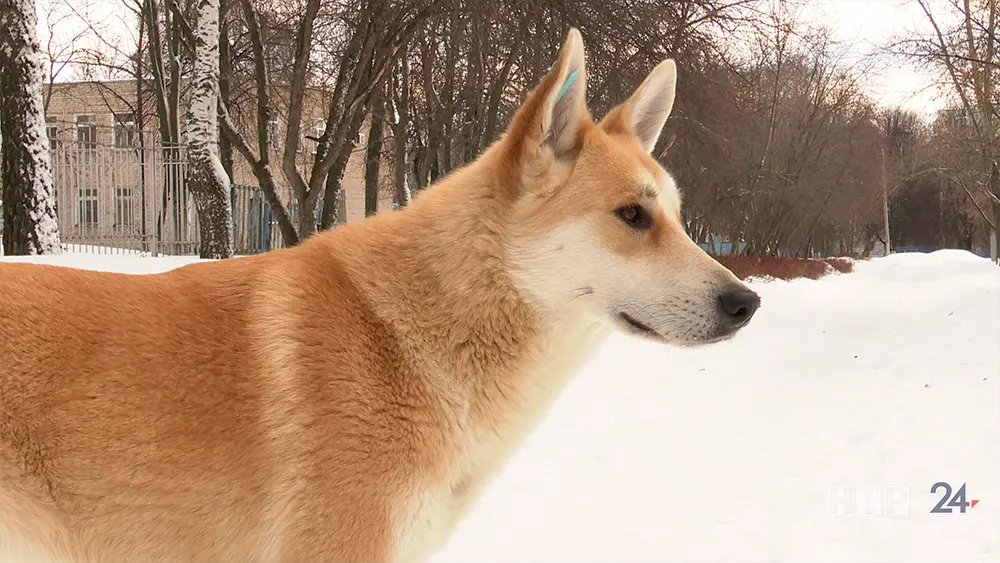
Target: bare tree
{"x":776,"y":144}
{"x":371,"y":33}
{"x":469,"y":68}
{"x":29,"y":214}
{"x":963,"y":46}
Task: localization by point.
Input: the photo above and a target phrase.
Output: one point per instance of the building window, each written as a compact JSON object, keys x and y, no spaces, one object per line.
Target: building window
{"x":124,"y":131}
{"x":87,"y":207}
{"x":86,"y":132}
{"x":124,"y":207}
{"x":52,"y":132}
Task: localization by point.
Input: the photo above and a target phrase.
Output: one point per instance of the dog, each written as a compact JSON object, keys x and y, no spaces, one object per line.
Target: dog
{"x":349,"y":398}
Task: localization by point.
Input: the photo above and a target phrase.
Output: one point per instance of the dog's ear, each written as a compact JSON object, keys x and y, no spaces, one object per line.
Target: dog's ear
{"x":646,"y":111}
{"x":550,"y":122}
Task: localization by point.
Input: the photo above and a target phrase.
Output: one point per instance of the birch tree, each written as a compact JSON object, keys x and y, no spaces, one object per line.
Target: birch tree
{"x":29,"y":214}
{"x":207,"y":180}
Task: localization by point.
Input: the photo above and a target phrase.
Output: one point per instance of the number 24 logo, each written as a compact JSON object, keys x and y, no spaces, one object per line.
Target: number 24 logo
{"x":958,"y":500}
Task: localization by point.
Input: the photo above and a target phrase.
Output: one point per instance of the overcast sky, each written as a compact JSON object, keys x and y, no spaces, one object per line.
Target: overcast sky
{"x":862,"y":26}
{"x":866,"y":25}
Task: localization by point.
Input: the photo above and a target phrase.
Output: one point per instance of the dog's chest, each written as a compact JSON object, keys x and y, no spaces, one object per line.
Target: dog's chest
{"x":486,"y":436}
{"x":479,"y":445}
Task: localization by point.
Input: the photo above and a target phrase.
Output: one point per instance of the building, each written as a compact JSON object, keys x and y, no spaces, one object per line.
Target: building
{"x":117,"y":185}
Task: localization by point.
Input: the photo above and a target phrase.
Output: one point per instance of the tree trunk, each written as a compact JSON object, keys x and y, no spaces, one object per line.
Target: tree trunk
{"x":29,"y":214}
{"x":427,"y":158}
{"x":226,"y":72}
{"x":331,"y":212}
{"x":401,"y":120}
{"x":206,"y":178}
{"x":373,"y":155}
{"x":448,"y":99}
{"x":334,"y":201}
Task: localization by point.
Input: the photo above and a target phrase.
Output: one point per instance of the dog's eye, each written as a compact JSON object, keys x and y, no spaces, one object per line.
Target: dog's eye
{"x":635,"y":216}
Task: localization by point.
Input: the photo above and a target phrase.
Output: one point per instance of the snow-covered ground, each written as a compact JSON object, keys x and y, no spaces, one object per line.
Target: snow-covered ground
{"x":747,"y":451}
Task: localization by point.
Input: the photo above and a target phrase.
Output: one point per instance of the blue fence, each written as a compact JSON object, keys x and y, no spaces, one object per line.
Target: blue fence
{"x":719,"y":248}
{"x":921,"y":249}
{"x":255,"y":228}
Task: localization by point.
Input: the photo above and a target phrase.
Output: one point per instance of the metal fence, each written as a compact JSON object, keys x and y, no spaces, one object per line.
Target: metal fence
{"x":134,"y":201}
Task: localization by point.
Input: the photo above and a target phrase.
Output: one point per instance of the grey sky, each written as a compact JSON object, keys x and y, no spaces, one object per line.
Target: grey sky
{"x":861,"y":26}
{"x":866,"y":25}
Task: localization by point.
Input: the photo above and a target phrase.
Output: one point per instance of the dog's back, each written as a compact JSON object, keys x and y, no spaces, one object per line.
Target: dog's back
{"x":84,"y":393}
{"x":181,"y":406}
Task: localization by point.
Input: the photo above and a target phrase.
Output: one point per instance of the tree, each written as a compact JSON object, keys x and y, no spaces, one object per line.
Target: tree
{"x":357,"y":44}
{"x":963,"y":46}
{"x":29,"y":214}
{"x":776,"y":144}
{"x":207,"y":180}
{"x":469,"y":68}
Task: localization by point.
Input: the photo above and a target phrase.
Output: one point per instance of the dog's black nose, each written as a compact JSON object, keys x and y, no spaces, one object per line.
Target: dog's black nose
{"x":738,"y":305}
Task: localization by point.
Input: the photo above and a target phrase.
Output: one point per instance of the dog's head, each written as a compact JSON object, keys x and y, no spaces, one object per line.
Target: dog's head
{"x":595,"y":225}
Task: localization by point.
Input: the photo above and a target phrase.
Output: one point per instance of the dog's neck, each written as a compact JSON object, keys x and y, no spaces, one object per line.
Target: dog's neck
{"x":518,"y":355}
{"x":505,"y":359}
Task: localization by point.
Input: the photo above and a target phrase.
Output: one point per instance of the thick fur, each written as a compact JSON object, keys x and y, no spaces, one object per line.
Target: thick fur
{"x":344,"y":400}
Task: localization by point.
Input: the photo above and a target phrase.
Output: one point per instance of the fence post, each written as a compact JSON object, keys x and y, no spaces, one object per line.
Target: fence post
{"x":232,"y":215}
{"x":155,"y":244}
{"x":993,"y":247}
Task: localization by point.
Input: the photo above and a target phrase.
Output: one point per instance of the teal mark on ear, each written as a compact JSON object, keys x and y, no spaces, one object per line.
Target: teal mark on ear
{"x":569,"y":82}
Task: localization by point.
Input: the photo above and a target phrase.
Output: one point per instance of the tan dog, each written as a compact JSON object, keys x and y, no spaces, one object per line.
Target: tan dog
{"x":346,"y":400}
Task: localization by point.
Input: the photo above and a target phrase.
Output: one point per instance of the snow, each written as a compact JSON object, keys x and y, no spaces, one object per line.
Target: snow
{"x":130,"y":264}
{"x":889,"y":376}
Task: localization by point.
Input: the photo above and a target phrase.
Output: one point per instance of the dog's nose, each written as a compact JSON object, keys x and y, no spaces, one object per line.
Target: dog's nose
{"x":738,"y":304}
